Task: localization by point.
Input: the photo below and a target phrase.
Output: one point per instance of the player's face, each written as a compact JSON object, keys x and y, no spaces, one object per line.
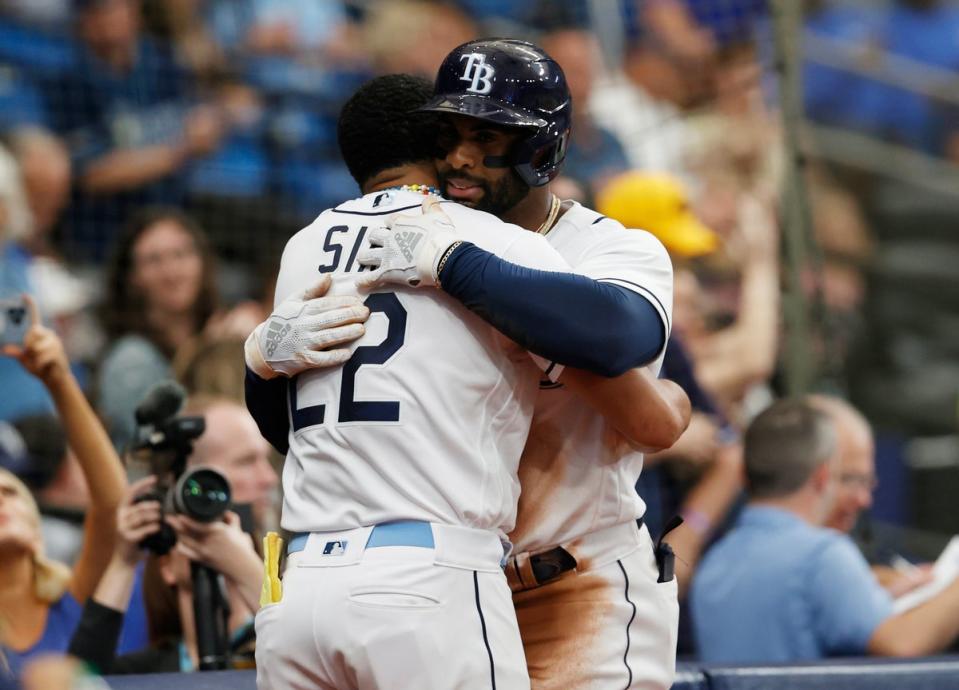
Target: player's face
{"x":463,"y":174}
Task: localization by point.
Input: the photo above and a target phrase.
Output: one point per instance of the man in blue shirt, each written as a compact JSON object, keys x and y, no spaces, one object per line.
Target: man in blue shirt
{"x":127,"y":114}
{"x":780,"y":587}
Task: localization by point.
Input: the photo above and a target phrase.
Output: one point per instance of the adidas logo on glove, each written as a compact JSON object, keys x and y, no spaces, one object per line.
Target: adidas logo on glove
{"x":275,"y":335}
{"x":407,"y":242}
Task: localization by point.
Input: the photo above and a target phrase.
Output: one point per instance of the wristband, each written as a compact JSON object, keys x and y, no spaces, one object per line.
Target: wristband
{"x":254,"y":358}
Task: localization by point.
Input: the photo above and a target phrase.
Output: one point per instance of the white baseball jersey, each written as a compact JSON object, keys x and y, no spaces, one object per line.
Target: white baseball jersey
{"x":578,"y":474}
{"x":428,"y":419}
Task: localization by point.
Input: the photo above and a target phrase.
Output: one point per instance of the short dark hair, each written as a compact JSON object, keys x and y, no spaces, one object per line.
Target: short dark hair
{"x":379,"y":127}
{"x":784,"y":445}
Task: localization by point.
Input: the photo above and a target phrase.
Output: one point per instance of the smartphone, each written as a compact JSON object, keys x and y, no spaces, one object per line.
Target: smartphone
{"x":14,"y":321}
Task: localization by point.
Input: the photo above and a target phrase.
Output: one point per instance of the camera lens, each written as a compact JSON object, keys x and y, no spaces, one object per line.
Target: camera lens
{"x":202,"y":494}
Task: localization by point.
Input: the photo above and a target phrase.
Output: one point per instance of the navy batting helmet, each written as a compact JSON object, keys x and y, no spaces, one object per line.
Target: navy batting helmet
{"x":512,"y":83}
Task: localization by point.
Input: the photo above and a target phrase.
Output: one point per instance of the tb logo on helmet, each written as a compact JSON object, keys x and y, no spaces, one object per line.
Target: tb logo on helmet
{"x":478,"y":73}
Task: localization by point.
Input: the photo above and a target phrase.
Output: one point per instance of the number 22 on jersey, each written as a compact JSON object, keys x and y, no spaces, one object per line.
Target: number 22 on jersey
{"x":351,"y":410}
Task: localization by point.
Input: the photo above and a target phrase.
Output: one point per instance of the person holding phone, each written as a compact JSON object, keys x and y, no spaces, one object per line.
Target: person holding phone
{"x":39,"y":597}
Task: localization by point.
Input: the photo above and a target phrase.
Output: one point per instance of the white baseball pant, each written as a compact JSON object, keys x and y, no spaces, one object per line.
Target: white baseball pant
{"x":606,"y":625}
{"x":364,"y":611}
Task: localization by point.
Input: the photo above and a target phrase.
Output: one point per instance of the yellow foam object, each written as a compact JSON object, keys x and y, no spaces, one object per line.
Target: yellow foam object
{"x":657,"y":203}
{"x":272,"y":590}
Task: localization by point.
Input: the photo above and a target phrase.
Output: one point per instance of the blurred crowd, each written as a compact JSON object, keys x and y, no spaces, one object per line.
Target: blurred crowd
{"x":155,"y":155}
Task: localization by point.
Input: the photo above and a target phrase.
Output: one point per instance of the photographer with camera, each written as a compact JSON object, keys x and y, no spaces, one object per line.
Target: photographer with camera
{"x":220,"y":545}
{"x":38,"y":597}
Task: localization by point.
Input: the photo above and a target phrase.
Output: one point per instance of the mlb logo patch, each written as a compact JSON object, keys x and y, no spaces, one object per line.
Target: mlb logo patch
{"x":334,"y":548}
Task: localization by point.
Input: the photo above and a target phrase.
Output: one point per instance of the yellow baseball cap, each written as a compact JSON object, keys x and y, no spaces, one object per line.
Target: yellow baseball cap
{"x":657,"y":202}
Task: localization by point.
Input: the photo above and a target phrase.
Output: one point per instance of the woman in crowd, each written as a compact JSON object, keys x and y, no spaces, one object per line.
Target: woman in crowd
{"x":161,"y":293}
{"x":38,"y":597}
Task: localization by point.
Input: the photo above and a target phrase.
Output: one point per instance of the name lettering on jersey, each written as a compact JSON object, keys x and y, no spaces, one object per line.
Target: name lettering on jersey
{"x":332,"y":245}
{"x":274,"y":336}
{"x":477,"y":73}
{"x":335,"y":548}
{"x":407,"y":242}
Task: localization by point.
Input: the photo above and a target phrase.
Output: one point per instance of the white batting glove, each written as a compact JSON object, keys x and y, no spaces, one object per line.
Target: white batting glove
{"x":408,"y":251}
{"x":299,"y":330}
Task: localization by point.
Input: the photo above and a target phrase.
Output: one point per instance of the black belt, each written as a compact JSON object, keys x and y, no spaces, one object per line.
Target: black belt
{"x":548,"y":565}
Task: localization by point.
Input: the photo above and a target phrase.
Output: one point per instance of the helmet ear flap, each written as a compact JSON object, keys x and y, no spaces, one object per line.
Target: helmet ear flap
{"x":543,"y":154}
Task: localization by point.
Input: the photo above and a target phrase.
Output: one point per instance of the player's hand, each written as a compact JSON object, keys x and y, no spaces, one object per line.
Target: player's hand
{"x":298,"y":334}
{"x":42,"y":352}
{"x":408,"y":251}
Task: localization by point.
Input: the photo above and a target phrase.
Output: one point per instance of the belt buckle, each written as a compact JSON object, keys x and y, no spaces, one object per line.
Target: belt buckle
{"x":549,"y":565}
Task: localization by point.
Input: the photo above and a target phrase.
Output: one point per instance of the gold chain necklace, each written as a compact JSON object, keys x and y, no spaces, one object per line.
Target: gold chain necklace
{"x":554,"y":207}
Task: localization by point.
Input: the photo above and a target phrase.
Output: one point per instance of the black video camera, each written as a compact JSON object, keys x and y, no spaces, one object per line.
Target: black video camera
{"x":165,"y":441}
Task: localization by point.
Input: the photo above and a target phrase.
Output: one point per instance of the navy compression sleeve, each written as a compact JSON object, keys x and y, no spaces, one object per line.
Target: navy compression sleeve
{"x":566,"y":318}
{"x":266,"y":401}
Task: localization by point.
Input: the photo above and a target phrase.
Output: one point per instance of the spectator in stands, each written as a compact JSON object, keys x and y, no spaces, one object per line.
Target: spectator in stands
{"x":15,"y":222}
{"x":44,"y":164}
{"x":413,"y":36}
{"x":700,"y":476}
{"x":222,"y":546}
{"x":847,"y":248}
{"x":748,"y":239}
{"x":213,"y":367}
{"x":55,"y":478}
{"x":288,"y":28}
{"x":161,"y":292}
{"x":781,"y":587}
{"x":594,"y":154}
{"x":39,"y":599}
{"x":857,"y":480}
{"x":738,"y":136}
{"x":131,"y":127}
{"x":232,"y":444}
{"x":642,"y":102}
{"x":61,"y":295}
{"x":717,"y":333}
